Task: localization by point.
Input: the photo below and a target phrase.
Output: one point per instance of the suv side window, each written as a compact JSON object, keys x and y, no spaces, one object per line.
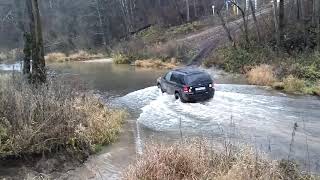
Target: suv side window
{"x":177,"y":78}
{"x":168,"y":76}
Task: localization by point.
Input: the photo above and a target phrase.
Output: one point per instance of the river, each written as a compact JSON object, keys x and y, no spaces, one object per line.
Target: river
{"x":239,"y":113}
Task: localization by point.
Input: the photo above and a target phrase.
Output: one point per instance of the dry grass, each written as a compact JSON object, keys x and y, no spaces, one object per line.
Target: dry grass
{"x":53,"y":117}
{"x":262,"y":75}
{"x":157,"y":64}
{"x":77,"y":56}
{"x":120,"y":58}
{"x":56,"y":57}
{"x":11,"y":55}
{"x":196,"y":160}
{"x":294,"y":85}
{"x":84,"y":55}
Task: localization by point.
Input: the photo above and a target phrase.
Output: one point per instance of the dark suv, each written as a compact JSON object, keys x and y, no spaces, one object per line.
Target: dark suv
{"x":187,"y":84}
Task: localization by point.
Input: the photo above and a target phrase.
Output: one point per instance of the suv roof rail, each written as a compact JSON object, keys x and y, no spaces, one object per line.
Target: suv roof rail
{"x":188,"y":70}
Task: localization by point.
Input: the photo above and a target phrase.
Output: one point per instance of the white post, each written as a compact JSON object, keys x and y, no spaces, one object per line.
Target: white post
{"x":213,"y":9}
{"x":255,"y":4}
{"x":227,"y":5}
{"x":247,"y":5}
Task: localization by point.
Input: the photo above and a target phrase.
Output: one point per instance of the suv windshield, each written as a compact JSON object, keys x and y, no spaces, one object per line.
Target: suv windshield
{"x":196,"y":78}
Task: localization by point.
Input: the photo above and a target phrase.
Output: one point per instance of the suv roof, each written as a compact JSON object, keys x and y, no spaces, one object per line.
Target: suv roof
{"x":189,"y":71}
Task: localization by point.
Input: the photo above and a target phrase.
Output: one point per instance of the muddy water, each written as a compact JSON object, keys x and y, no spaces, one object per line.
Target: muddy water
{"x":239,"y":113}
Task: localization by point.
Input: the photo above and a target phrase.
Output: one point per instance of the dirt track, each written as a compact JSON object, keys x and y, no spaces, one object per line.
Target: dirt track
{"x":208,"y":40}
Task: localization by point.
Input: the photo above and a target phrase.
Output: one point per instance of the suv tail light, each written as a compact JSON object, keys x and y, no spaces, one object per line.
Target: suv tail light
{"x":187,"y":89}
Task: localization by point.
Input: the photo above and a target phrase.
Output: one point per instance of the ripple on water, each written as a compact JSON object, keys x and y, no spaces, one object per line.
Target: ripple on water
{"x":262,"y":117}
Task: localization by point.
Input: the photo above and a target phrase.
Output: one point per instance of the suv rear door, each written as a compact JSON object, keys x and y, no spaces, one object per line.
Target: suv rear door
{"x":200,"y":82}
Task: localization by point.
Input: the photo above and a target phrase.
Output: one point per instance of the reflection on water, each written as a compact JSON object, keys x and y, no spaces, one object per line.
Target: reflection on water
{"x":108,"y":77}
{"x":10,"y":67}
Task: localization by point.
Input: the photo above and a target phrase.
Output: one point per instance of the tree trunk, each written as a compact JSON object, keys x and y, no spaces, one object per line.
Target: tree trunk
{"x":253,"y":11}
{"x":223,"y":23}
{"x":281,"y":20}
{"x":26,"y":37}
{"x":276,"y":22}
{"x":245,"y":22}
{"x":104,"y":38}
{"x":318,"y":25}
{"x":27,"y":54}
{"x":314,"y":12}
{"x":188,"y":10}
{"x":298,"y":6}
{"x":195,"y":8}
{"x":303,"y":18}
{"x":38,"y":62}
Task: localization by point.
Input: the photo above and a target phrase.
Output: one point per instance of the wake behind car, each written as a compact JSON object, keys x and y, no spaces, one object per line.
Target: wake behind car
{"x":187,"y":84}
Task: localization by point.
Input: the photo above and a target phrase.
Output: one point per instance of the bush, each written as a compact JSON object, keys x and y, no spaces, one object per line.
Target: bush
{"x":11,"y":55}
{"x":154,"y":63}
{"x":82,"y":55}
{"x":76,"y":56}
{"x":313,"y":89}
{"x":153,"y":34}
{"x":262,"y":75}
{"x":51,"y":118}
{"x":120,"y":59}
{"x":294,"y":85}
{"x":197,"y":160}
{"x":56,"y":57}
{"x":239,"y":59}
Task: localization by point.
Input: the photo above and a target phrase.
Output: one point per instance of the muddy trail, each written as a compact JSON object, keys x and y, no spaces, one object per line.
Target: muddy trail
{"x":205,"y":42}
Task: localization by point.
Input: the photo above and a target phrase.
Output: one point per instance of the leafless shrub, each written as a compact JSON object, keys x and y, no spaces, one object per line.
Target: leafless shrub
{"x":197,"y":160}
{"x":56,"y":57}
{"x":76,"y":56}
{"x":261,"y":75}
{"x":155,"y":63}
{"x":293,"y":84}
{"x":52,"y":117}
{"x":11,"y":55}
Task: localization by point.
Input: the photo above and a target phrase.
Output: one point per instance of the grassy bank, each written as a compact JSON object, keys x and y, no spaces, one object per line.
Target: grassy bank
{"x":9,"y":56}
{"x":53,"y":118}
{"x":158,"y":43}
{"x":76,"y":56}
{"x":197,"y":160}
{"x":293,"y":73}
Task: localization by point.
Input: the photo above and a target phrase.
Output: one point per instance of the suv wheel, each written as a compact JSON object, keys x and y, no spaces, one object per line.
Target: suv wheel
{"x":177,"y":96}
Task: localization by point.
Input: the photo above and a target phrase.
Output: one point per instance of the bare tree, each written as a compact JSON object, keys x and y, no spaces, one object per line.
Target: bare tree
{"x":188,"y":10}
{"x":298,"y":9}
{"x":281,"y":19}
{"x":21,"y":21}
{"x":195,"y":8}
{"x":314,"y":12}
{"x":276,"y":22}
{"x":318,"y":25}
{"x":253,"y":12}
{"x":101,"y":23}
{"x":38,"y":62}
{"x":245,"y":22}
{"x":227,"y":30}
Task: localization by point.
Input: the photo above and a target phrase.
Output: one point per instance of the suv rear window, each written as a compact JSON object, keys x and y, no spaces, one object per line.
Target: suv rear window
{"x":200,"y":77}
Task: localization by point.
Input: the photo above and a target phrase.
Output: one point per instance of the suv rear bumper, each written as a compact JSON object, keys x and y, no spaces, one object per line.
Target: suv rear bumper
{"x":199,"y":97}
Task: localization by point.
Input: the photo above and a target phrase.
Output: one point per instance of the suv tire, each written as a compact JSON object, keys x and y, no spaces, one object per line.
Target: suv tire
{"x":178,"y":96}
